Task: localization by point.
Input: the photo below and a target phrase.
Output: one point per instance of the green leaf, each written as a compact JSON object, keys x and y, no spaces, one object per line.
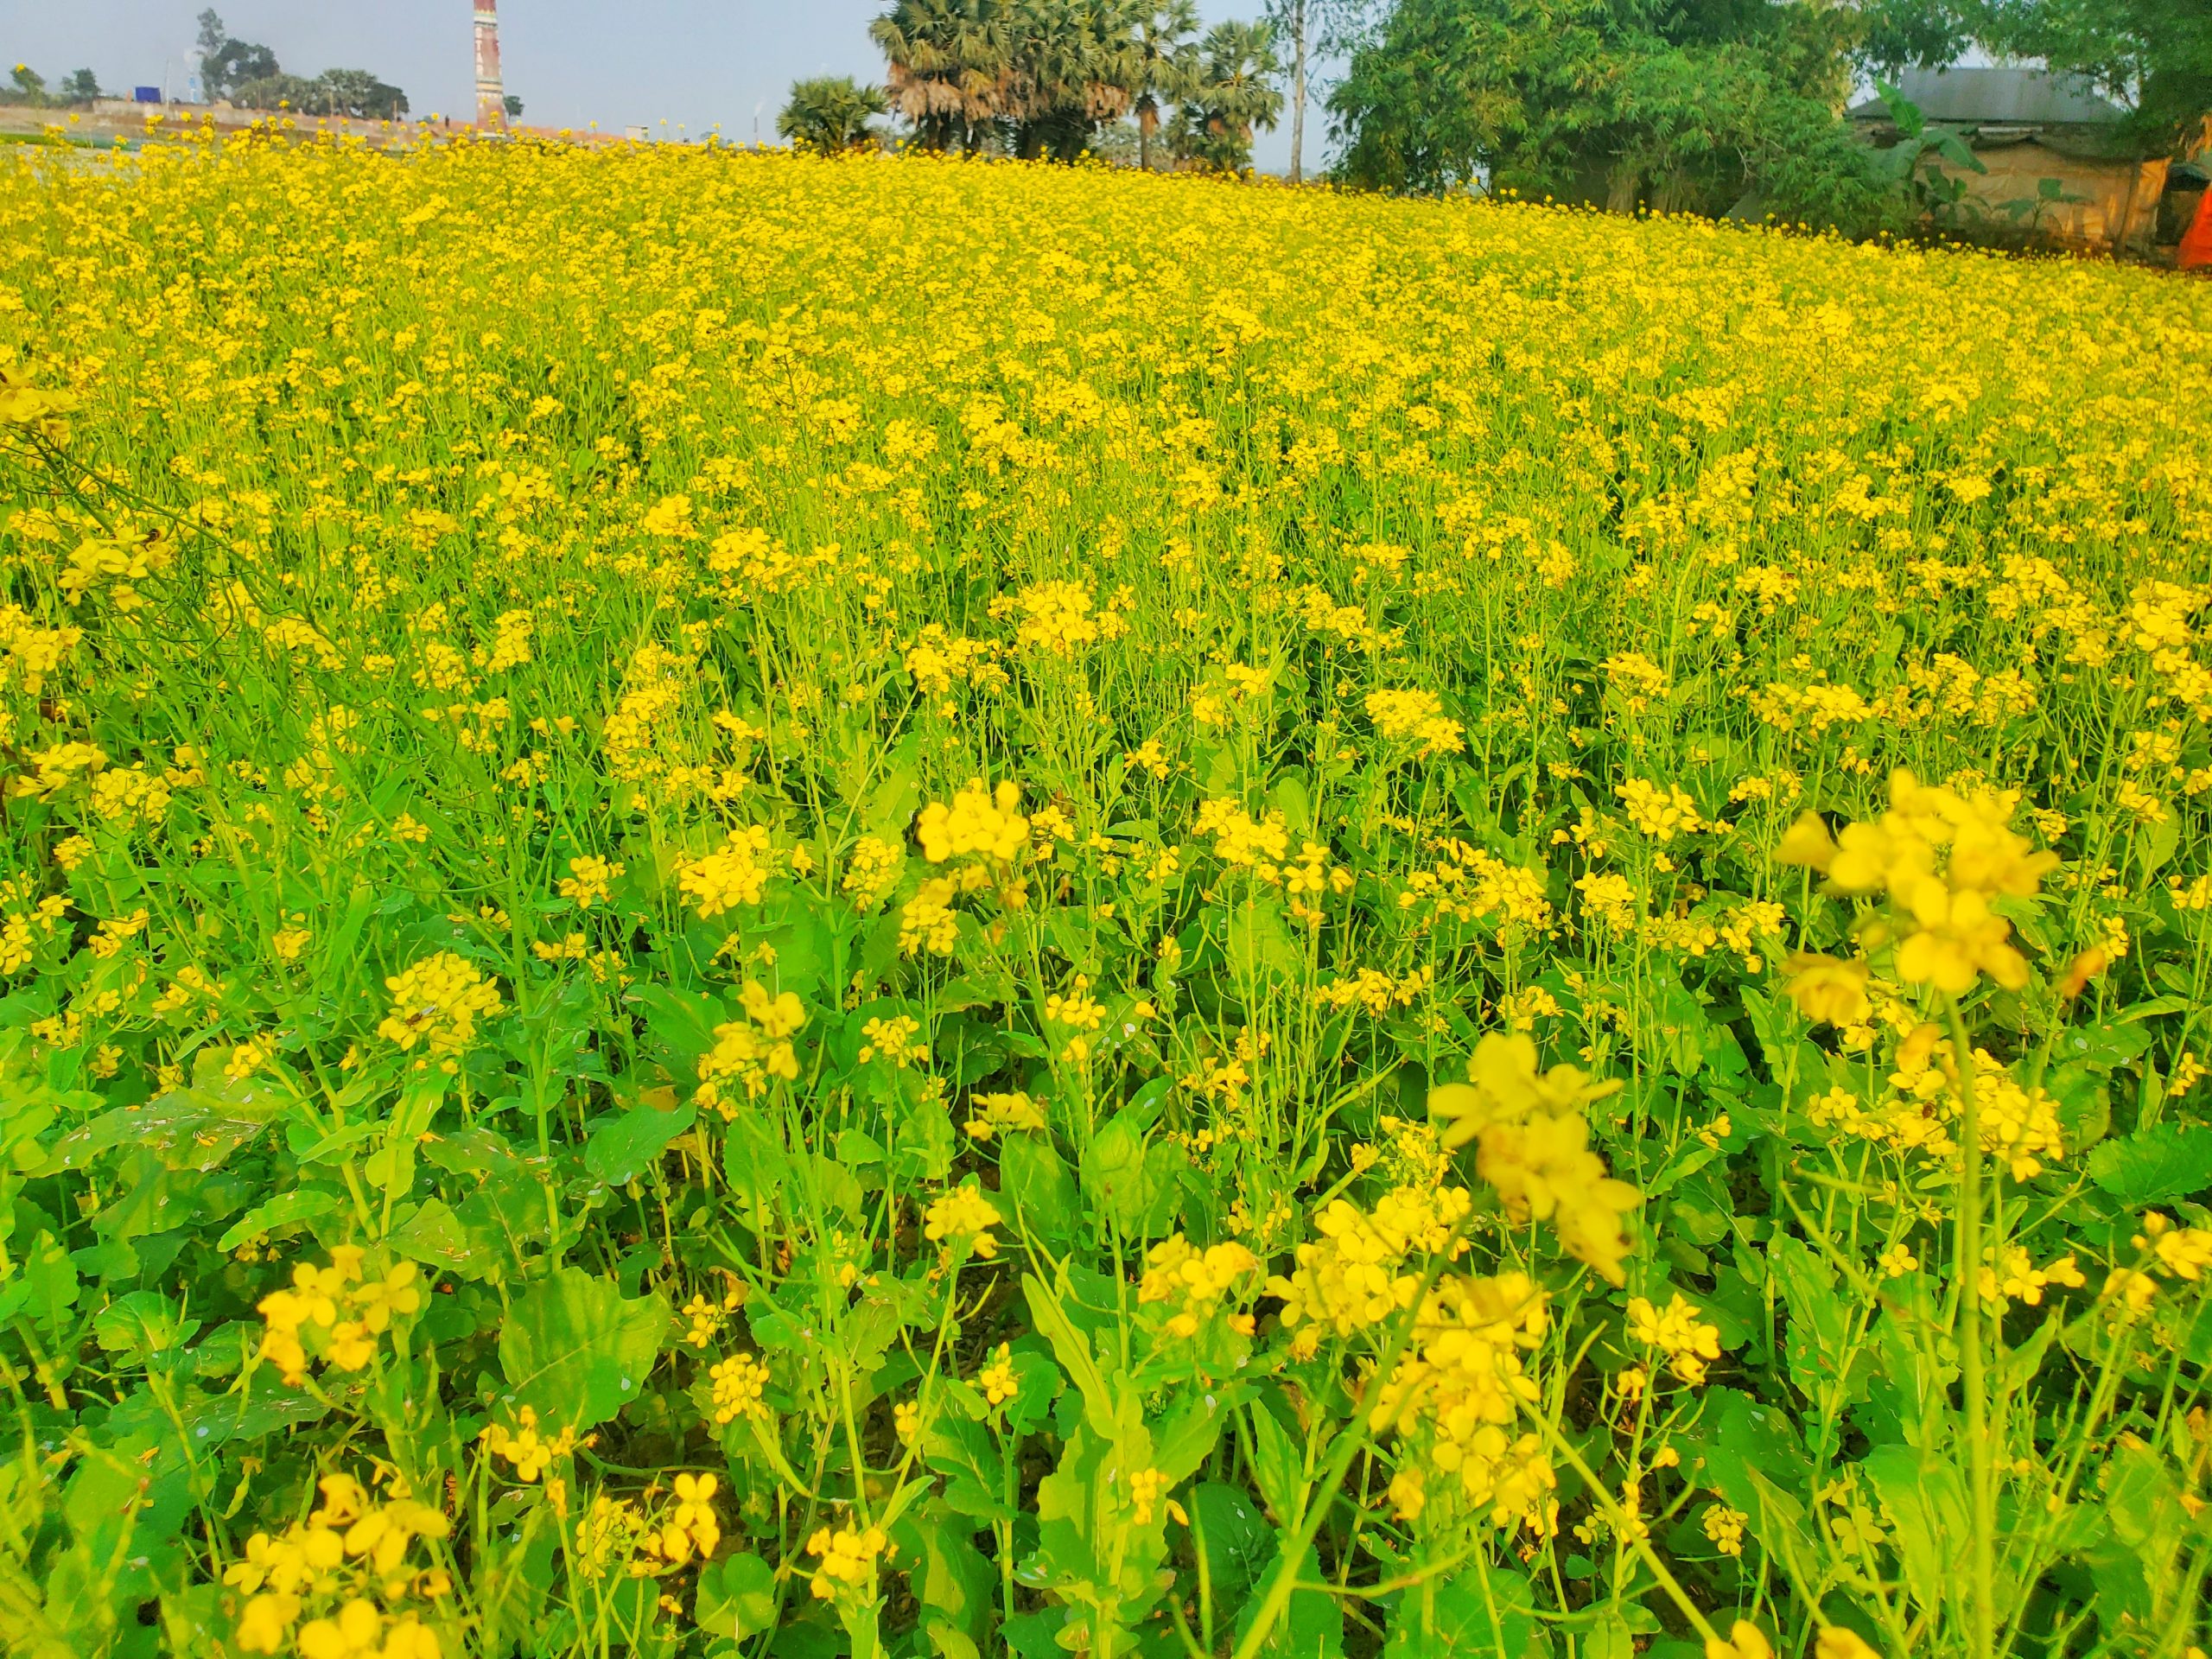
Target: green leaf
{"x":2140,"y":1558}
{"x":203,"y":1422}
{"x":2153,"y":1165}
{"x":737,"y":1597}
{"x":1035,"y":1181}
{"x":977,"y":991}
{"x":2105,"y":1047}
{"x":923,"y":1145}
{"x":1090,"y":1546}
{"x":2084,"y":1104}
{"x":140,"y":1326}
{"x":623,"y":1148}
{"x":1609,"y":1636}
{"x":301,"y":1204}
{"x":965,"y":1454}
{"x":50,"y":1282}
{"x":1684,"y":1037}
{"x":1257,"y":938}
{"x":1907,"y":1384}
{"x":26,"y":1112}
{"x":195,"y":1128}
{"x":805,"y":948}
{"x":1692,"y":1159}
{"x":113,"y":1499}
{"x":837,"y":1186}
{"x":1740,"y":1437}
{"x":1313,"y":1623}
{"x":1489,"y":1611}
{"x":1040,"y":1383}
{"x":1232,"y":1538}
{"x":437,"y":1236}
{"x":1820,"y":1348}
{"x":1113,"y":1171}
{"x":753,"y":1159}
{"x":1048,"y":1313}
{"x":575,"y":1348}
{"x":951,"y":1579}
{"x":2154,"y":842}
{"x":1930,"y":1524}
{"x":1278,"y":1465}
{"x":1183,"y":1438}
{"x":679,"y":1024}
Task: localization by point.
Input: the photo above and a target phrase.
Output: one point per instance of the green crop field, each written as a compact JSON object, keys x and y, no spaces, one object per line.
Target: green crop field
{"x":773,"y":906}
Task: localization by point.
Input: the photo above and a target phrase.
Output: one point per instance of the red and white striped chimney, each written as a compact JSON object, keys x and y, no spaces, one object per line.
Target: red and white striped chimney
{"x":490,"y":92}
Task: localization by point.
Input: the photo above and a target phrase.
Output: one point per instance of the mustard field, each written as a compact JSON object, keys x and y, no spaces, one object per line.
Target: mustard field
{"x":755,"y":906}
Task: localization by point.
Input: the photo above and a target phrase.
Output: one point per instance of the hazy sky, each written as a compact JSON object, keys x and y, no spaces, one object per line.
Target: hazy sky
{"x":695,"y":62}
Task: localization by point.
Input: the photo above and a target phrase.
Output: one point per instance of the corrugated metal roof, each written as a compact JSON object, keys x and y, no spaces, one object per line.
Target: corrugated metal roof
{"x":1998,"y":98}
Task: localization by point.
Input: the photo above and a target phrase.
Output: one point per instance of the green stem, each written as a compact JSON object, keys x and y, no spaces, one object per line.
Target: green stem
{"x":1626,"y":1526}
{"x":1966,"y":1265}
{"x":1349,"y":1442}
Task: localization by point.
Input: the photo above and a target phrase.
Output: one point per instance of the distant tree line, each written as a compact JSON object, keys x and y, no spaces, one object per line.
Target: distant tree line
{"x":1057,"y":78}
{"x":1703,"y":105}
{"x":1700,"y":105}
{"x":26,"y":86}
{"x":248,"y":75}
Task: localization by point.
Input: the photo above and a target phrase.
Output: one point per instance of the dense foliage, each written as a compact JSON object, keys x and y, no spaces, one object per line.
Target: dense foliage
{"x":1041,"y":77}
{"x":1711,"y":105}
{"x":247,"y":74}
{"x":906,"y":907}
{"x":830,"y":113}
{"x":1622,"y":102}
{"x":2153,"y":57}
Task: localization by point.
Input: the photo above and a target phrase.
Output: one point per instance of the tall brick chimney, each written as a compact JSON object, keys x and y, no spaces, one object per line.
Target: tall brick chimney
{"x":490,"y":92}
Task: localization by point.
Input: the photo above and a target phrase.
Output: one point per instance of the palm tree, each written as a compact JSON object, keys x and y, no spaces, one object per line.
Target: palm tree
{"x":831,"y":113}
{"x":951,"y":66}
{"x":1075,"y":65}
{"x":1168,"y":66}
{"x":1235,"y":93}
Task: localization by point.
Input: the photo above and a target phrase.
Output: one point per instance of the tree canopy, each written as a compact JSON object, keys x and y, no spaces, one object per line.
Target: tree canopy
{"x":1627,"y":102}
{"x":1041,"y":77}
{"x":1232,"y":92}
{"x":2152,"y":57}
{"x":1710,"y":105}
{"x":249,"y":75}
{"x":831,"y":113}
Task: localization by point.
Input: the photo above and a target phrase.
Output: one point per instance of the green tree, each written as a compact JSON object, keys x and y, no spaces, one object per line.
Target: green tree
{"x":513,"y":105}
{"x":950,"y":67}
{"x":1043,"y":78}
{"x":279,"y":92}
{"x":1075,"y":65}
{"x":831,"y":113}
{"x":227,"y":66}
{"x":1898,"y":35}
{"x":1699,"y":105}
{"x":2151,"y":57}
{"x":357,"y":93}
{"x":1167,"y":66}
{"x":27,"y":85}
{"x":1317,"y":28}
{"x":1235,"y":93}
{"x":80,"y":86}
{"x":248,"y":75}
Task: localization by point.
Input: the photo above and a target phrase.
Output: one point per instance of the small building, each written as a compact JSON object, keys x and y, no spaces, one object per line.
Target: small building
{"x":2058,"y":167}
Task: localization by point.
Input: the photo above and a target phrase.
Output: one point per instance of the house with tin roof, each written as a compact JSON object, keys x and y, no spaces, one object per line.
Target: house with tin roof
{"x":2058,"y":167}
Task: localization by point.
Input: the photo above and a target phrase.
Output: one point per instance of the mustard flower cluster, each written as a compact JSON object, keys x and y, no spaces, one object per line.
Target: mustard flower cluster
{"x":346,"y":1583}
{"x":332,"y":1315}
